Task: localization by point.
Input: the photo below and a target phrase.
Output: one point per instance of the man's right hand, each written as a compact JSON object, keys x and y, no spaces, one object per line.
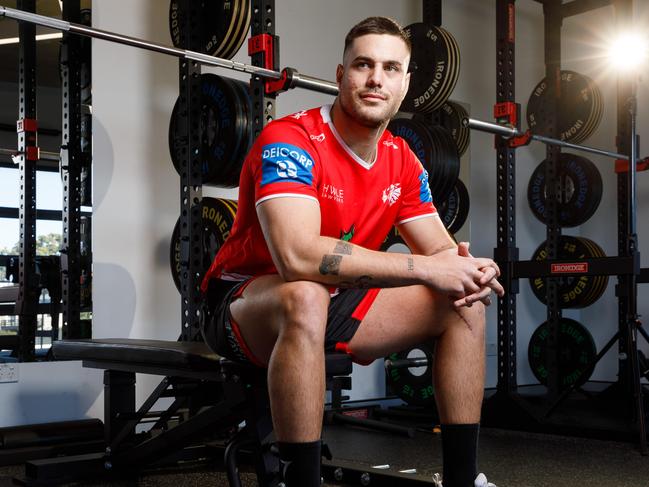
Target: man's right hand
{"x":464,"y":278}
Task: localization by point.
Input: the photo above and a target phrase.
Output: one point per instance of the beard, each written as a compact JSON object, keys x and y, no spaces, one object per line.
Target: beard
{"x":365,"y":115}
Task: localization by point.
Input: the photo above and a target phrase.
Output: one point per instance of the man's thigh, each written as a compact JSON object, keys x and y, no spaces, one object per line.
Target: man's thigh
{"x":260,"y":311}
{"x":405,"y":316}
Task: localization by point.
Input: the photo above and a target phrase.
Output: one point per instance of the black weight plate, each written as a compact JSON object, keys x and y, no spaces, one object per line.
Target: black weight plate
{"x":447,"y":162}
{"x":455,"y":210}
{"x":418,"y":139}
{"x":217,"y":216}
{"x":577,"y":350}
{"x":572,"y":289}
{"x":431,"y":56}
{"x":451,"y":116}
{"x":220,"y":135}
{"x":577,"y":108}
{"x":413,"y":385}
{"x":454,"y":71}
{"x":241,"y":32}
{"x":601,"y":282}
{"x":579,"y":190}
{"x":217,"y":21}
{"x":244,"y":130}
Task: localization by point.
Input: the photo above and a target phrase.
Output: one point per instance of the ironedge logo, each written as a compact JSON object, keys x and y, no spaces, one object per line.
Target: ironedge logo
{"x":569,"y":268}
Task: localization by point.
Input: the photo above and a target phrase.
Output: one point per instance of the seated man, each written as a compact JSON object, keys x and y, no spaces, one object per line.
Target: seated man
{"x":301,"y":274}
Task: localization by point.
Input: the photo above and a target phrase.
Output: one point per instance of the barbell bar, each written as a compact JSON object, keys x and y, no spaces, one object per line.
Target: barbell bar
{"x":508,"y":131}
{"x":43,"y":155}
{"x":298,"y":81}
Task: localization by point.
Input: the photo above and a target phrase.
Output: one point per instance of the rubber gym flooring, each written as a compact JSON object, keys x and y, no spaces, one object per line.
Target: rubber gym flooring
{"x":508,"y":458}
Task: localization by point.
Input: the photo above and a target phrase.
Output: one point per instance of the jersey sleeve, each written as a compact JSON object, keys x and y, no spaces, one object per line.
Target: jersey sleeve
{"x":417,"y":201}
{"x":284,"y":163}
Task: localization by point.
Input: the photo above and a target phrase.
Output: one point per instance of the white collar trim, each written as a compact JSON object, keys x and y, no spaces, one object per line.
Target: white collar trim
{"x":325,"y":112}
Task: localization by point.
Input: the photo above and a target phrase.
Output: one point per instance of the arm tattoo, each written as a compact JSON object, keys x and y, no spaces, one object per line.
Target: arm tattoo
{"x":343,"y":248}
{"x":330,"y":264}
{"x":411,"y":264}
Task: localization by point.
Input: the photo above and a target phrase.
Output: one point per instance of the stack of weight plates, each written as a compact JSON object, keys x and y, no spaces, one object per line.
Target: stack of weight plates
{"x":579,"y":190}
{"x":455,"y":210}
{"x":217,"y":216}
{"x":436,"y":150}
{"x":226,"y":130}
{"x":436,"y":56}
{"x":451,"y":116}
{"x":577,"y":351}
{"x":222,"y":26}
{"x":574,"y":291}
{"x":579,"y":111}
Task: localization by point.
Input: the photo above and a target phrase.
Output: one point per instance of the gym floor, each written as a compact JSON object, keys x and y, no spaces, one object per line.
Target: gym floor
{"x":508,"y":458}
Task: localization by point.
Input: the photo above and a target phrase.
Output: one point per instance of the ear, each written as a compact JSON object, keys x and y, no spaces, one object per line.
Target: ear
{"x":339,"y":73}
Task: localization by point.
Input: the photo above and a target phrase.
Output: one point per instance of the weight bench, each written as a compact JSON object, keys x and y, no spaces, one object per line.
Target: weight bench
{"x":218,"y":408}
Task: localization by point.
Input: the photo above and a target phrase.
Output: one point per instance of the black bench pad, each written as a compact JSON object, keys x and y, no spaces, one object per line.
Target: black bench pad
{"x":195,"y":356}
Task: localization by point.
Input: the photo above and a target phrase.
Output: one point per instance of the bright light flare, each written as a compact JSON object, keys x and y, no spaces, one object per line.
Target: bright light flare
{"x":628,"y":52}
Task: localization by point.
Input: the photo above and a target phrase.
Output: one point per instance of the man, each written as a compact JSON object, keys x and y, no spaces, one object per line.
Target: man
{"x":301,"y":274}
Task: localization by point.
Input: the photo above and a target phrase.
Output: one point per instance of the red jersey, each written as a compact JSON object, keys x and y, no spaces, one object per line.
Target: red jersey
{"x":303,"y":156}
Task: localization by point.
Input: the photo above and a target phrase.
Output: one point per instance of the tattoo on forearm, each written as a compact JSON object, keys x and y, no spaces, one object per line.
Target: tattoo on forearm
{"x":411,"y":264}
{"x":330,"y":264}
{"x":343,"y":248}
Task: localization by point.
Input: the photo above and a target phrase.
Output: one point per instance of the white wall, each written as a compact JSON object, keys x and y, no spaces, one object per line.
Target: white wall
{"x":136,"y":188}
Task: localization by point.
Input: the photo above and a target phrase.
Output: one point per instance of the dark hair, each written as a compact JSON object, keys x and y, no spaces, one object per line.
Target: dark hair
{"x":376,"y":25}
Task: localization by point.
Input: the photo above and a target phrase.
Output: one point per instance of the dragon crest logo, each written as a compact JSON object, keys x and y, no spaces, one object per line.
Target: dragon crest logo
{"x":391,"y":194}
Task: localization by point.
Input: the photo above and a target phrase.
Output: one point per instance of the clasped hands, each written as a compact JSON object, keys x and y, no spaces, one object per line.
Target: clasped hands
{"x":484,"y":284}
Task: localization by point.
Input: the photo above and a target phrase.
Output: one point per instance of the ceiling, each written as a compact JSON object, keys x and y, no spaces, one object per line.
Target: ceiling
{"x":47,"y":51}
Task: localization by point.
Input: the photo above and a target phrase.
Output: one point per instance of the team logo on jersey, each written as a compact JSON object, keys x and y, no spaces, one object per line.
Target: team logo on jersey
{"x":319,"y":138}
{"x":425,"y":195}
{"x":391,"y":194}
{"x":389,"y":143}
{"x":285,"y":163}
{"x":347,"y":235}
{"x":299,"y":115}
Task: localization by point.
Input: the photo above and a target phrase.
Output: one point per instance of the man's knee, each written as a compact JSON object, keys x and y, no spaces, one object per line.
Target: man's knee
{"x":304,"y":307}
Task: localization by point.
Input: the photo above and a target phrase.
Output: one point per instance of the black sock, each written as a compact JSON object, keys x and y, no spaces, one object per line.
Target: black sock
{"x":299,"y":463}
{"x":459,"y":450}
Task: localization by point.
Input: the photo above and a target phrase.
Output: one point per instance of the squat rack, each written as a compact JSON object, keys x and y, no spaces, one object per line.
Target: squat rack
{"x":508,"y":407}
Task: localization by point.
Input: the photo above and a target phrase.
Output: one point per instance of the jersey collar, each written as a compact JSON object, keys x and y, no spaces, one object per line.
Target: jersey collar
{"x":325,"y":112}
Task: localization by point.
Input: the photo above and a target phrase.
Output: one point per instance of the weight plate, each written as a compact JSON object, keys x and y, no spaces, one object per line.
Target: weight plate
{"x":574,"y":291}
{"x":241,"y":33}
{"x":414,"y":385}
{"x":455,"y":210}
{"x":418,"y":139}
{"x":220,"y":129}
{"x":579,"y":110}
{"x":446,"y":163}
{"x":217,"y":216}
{"x":436,"y":74}
{"x":576,"y":352}
{"x":451,"y":116}
{"x":216,"y":23}
{"x":579,"y":189}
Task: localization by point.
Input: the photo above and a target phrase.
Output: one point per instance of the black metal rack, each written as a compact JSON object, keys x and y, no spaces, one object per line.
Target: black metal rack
{"x":34,"y":272}
{"x":508,"y":407}
{"x":27,"y":144}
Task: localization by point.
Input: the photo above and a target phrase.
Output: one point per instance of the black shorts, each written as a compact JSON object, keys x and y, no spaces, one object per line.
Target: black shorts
{"x":221,"y":333}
